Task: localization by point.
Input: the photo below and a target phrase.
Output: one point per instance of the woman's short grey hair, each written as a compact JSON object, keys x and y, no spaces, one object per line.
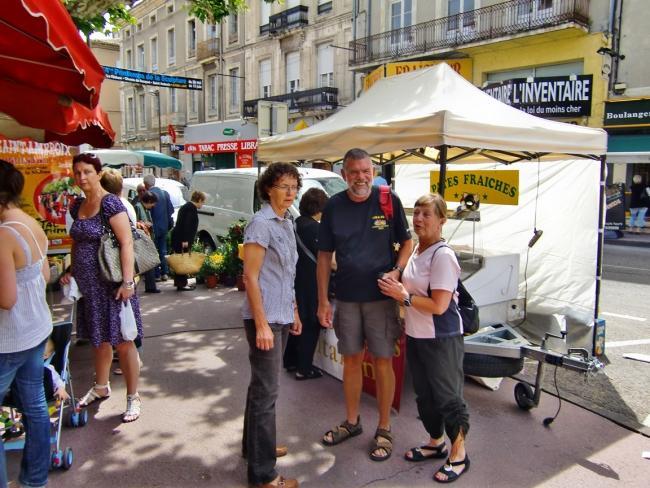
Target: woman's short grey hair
{"x":435,"y":201}
{"x":637,"y":179}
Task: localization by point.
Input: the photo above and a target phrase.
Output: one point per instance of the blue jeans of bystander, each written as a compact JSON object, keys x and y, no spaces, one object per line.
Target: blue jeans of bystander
{"x":26,"y":368}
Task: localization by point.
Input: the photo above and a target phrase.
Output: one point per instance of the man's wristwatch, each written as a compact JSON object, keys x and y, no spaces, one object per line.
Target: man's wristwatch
{"x":407,"y":300}
{"x":398,"y":268}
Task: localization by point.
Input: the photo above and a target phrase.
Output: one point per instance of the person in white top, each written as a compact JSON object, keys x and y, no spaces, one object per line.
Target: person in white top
{"x":435,"y":347}
{"x":25,"y":325}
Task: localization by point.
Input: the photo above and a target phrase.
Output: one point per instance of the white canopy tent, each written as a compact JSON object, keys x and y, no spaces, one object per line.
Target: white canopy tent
{"x":433,"y":107}
{"x":401,"y":116}
{"x":118,"y":157}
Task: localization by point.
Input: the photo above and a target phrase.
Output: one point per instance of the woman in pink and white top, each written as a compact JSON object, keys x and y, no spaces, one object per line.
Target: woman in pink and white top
{"x":435,"y":347}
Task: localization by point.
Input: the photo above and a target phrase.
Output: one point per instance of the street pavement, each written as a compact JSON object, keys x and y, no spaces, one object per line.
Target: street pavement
{"x":194,"y":385}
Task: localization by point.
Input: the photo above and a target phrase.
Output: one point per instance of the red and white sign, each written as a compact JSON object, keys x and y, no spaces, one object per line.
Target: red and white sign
{"x":172,"y":132}
{"x":248,"y":145}
{"x":244,"y":160}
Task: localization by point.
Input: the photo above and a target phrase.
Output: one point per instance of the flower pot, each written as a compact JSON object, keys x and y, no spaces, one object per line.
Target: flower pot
{"x":211,"y":281}
{"x":228,"y":280}
{"x":241,"y":286}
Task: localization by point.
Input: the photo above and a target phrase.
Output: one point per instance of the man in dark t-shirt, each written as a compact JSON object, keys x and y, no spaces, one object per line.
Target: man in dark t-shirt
{"x":354,"y":226}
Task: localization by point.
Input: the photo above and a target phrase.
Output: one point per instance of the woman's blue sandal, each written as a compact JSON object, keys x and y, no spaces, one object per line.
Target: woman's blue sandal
{"x":447,"y":470}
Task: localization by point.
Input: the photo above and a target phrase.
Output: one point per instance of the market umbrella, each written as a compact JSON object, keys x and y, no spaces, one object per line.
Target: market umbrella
{"x":118,"y":157}
{"x":160,"y":160}
{"x":41,"y":47}
{"x":64,"y":120}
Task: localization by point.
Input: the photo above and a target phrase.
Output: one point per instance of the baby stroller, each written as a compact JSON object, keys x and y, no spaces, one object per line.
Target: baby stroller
{"x":74,"y":417}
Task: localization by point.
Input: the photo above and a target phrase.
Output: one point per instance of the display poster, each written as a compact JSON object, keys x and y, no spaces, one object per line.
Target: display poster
{"x":328,"y":358}
{"x":49,"y":186}
{"x":244,"y":160}
{"x":497,"y":187}
{"x":615,"y":213}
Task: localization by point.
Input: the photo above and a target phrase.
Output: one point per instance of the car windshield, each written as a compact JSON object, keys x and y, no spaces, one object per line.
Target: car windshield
{"x":331,"y":186}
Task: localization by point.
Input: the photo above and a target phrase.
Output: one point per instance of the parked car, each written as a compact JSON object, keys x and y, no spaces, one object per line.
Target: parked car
{"x":231,"y":195}
{"x":178,"y":192}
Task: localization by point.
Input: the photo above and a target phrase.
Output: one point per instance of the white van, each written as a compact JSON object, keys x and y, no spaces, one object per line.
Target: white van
{"x":178,"y":193}
{"x":230,"y":196}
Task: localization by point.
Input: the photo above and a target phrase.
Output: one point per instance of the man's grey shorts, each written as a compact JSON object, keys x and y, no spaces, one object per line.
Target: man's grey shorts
{"x":375,"y":323}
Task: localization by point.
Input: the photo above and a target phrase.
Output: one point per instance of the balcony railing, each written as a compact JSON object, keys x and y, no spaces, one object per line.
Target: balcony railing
{"x":321,"y":99}
{"x":207,"y":49}
{"x":492,"y":22}
{"x":289,"y":19}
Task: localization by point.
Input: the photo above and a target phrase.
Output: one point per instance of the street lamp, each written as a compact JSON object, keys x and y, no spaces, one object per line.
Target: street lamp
{"x":156,"y":93}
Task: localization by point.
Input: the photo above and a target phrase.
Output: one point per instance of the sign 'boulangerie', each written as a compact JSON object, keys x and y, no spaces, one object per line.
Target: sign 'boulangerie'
{"x":553,"y":96}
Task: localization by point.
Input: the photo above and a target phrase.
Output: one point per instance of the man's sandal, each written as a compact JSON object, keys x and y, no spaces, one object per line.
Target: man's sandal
{"x":448,"y":471}
{"x":383,"y":446}
{"x":423,"y":453}
{"x":133,"y":407}
{"x":342,"y":432}
{"x":92,"y":395}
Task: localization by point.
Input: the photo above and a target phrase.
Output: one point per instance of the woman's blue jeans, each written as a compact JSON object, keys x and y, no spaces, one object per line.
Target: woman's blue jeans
{"x":637,"y":217}
{"x":258,"y":443}
{"x":26,"y":368}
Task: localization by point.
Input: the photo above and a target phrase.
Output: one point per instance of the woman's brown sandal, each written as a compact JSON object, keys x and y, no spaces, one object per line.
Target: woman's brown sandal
{"x":383,"y":446}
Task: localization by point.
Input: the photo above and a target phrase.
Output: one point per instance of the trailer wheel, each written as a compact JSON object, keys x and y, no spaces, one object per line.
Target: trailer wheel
{"x":491,"y":366}
{"x":524,"y":396}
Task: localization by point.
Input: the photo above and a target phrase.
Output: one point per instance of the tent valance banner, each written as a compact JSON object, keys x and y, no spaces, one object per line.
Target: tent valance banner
{"x":119,"y":157}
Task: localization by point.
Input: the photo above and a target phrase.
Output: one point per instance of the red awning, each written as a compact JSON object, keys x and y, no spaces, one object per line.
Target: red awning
{"x":64,"y":120}
{"x":41,"y":47}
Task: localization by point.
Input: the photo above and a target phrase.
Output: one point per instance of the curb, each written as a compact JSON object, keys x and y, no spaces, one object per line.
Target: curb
{"x":627,"y":242}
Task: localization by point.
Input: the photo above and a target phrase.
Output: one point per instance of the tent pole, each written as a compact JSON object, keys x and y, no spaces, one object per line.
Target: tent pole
{"x":601,"y":232}
{"x":443,"y":170}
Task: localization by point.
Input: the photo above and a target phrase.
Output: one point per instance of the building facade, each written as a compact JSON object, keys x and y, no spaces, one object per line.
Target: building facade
{"x":294,"y":53}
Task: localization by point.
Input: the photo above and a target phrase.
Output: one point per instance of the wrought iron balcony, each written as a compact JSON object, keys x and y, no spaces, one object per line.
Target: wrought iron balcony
{"x":320,"y":99}
{"x":289,"y":19}
{"x":483,"y":24}
{"x":207,"y":49}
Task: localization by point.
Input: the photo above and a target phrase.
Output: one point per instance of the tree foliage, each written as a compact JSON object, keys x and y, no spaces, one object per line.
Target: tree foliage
{"x":107,"y":16}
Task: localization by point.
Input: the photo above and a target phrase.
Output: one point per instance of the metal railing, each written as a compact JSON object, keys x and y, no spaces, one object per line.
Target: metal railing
{"x":207,"y":49}
{"x":492,"y":22}
{"x":322,"y":99}
{"x":289,"y":19}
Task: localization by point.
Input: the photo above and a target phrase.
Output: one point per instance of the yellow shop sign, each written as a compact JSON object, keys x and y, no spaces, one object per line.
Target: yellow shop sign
{"x":461,"y":66}
{"x":497,"y":187}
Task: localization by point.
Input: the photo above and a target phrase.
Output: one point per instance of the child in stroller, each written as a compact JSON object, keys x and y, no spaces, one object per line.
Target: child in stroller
{"x":56,"y":377}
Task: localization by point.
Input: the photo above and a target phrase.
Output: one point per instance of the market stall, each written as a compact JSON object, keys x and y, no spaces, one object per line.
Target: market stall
{"x":401,"y":116}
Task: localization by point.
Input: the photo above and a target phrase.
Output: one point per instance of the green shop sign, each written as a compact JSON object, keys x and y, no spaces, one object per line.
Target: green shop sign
{"x":228,"y":131}
{"x":627,"y":113}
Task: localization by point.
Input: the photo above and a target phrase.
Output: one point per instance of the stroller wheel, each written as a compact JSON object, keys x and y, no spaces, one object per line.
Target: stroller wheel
{"x":83,"y":417}
{"x":68,"y":458}
{"x":73,"y":419}
{"x":57,"y":459}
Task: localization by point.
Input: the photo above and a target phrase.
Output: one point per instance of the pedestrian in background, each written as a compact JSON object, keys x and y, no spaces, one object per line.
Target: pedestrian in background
{"x":270,"y":314}
{"x":98,"y":311}
{"x":434,"y":335}
{"x":25,"y":325}
{"x":639,"y":202}
{"x":355,"y":227}
{"x":161,"y":215}
{"x":184,"y":233}
{"x":299,"y":354}
{"x":143,"y":206}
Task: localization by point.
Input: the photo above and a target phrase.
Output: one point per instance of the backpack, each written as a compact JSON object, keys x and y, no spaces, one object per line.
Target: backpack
{"x":466,"y":305}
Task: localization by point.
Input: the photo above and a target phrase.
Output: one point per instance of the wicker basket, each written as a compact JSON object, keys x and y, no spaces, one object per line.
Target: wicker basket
{"x":186,"y":263}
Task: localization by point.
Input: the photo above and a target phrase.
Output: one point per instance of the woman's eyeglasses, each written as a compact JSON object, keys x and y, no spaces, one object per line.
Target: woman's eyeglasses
{"x":287,"y":188}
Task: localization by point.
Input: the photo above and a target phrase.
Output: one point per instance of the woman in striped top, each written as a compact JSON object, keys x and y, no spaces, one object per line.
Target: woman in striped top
{"x":25,"y":324}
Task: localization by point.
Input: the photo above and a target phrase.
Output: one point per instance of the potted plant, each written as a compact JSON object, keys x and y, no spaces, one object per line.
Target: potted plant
{"x":231,"y":267}
{"x":211,"y":269}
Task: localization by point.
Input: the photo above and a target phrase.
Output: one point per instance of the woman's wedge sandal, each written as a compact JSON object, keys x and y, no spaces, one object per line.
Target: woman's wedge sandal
{"x":342,"y":432}
{"x":133,"y":408}
{"x":383,"y":446}
{"x":92,"y":396}
{"x":426,"y":452}
{"x":448,"y":471}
